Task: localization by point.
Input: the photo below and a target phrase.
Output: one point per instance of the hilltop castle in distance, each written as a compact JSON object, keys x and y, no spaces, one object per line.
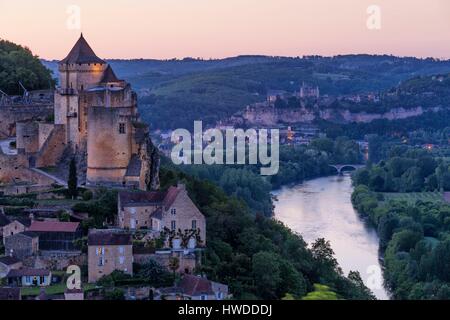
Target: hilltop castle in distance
{"x":96,"y":121}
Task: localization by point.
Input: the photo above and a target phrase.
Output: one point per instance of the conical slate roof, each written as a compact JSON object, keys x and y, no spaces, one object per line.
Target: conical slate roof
{"x":82,"y":53}
{"x":109,"y":76}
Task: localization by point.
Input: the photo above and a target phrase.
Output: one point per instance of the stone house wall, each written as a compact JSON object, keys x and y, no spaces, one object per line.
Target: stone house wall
{"x":186,"y":212}
{"x":21,"y":246}
{"x":11,"y":229}
{"x":112,"y":258}
{"x":141,"y":215}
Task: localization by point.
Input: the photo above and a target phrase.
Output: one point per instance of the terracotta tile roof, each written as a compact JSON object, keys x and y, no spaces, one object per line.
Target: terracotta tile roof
{"x":195,"y":285}
{"x":128,"y":198}
{"x":24,"y":272}
{"x":170,"y":197}
{"x":53,"y":226}
{"x":10,"y":294}
{"x":166,"y":199}
{"x":105,"y":238}
{"x":8,"y":261}
{"x":24,"y":221}
{"x":29,"y":234}
{"x":82,"y":53}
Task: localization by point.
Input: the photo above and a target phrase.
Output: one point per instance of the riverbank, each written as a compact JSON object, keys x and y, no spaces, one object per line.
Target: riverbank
{"x":415,"y":241}
{"x":322,"y":208}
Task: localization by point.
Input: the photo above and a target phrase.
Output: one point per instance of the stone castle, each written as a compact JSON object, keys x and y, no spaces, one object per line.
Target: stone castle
{"x":96,"y":121}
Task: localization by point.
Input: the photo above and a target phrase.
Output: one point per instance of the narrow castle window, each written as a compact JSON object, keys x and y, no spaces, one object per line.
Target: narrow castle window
{"x":122,"y":128}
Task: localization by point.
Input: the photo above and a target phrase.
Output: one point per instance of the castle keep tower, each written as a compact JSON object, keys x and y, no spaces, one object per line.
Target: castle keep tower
{"x":99,"y":114}
{"x":79,"y":71}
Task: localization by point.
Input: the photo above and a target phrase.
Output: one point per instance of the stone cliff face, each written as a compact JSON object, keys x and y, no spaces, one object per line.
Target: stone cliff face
{"x":269,"y":116}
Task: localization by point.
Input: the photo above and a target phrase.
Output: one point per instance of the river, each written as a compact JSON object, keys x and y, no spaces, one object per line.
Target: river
{"x":322,"y":208}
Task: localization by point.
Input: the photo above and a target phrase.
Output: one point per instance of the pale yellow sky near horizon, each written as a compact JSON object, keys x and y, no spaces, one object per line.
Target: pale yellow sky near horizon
{"x":221,"y":28}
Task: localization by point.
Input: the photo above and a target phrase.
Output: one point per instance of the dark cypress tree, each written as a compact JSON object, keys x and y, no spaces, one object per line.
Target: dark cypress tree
{"x":73,"y":182}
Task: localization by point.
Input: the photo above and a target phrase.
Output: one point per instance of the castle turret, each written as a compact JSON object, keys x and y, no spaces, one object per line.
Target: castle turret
{"x":81,"y":68}
{"x":79,"y":71}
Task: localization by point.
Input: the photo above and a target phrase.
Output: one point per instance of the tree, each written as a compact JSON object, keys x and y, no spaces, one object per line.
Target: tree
{"x":266,"y":271}
{"x":87,"y":195}
{"x":115,"y":294}
{"x":427,"y":166}
{"x":323,"y":144}
{"x":73,"y":180}
{"x":19,"y":64}
{"x":362,"y":176}
{"x":174,"y":264}
{"x":155,"y":274}
{"x":376,"y":182}
{"x":441,"y":261}
{"x":324,"y":256}
{"x":386,"y":226}
{"x":412,"y":180}
{"x":321,"y":292}
{"x":355,"y":278}
{"x":406,"y":240}
{"x":375,"y":148}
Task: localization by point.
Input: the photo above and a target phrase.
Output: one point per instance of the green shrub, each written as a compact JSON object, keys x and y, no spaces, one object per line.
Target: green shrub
{"x":87,"y":195}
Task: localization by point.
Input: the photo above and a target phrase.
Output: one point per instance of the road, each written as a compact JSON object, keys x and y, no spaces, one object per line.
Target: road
{"x":48,"y":175}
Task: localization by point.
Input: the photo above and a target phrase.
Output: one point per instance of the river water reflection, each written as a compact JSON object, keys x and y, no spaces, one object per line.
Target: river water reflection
{"x":322,"y":208}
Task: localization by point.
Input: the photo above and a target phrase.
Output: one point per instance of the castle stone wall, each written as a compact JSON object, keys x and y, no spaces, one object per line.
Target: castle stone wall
{"x":109,"y":150}
{"x":9,"y":115}
{"x":45,"y":129}
{"x":27,"y":135}
{"x":52,"y":149}
{"x":81,"y":77}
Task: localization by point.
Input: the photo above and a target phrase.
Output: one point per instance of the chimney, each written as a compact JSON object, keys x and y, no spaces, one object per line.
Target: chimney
{"x":181,"y":186}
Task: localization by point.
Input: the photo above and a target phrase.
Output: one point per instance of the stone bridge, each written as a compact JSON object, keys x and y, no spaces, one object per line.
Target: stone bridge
{"x":340,"y":167}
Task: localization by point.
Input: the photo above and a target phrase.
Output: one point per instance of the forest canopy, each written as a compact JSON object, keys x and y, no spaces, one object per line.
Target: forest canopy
{"x":18,"y":63}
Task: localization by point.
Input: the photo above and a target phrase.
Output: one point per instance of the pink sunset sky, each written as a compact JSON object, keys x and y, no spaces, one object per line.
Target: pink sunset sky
{"x":222,"y":28}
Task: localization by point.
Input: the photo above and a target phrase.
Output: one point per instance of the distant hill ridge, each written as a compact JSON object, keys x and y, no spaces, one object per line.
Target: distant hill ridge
{"x":211,"y":90}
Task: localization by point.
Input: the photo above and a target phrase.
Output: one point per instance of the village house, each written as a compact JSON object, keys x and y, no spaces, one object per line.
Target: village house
{"x":109,"y":251}
{"x":196,"y":288}
{"x":15,"y":226}
{"x":7,"y":264}
{"x":10,"y":294}
{"x":22,"y":245}
{"x":158,"y":211}
{"x":56,"y":236}
{"x":28,"y":277}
